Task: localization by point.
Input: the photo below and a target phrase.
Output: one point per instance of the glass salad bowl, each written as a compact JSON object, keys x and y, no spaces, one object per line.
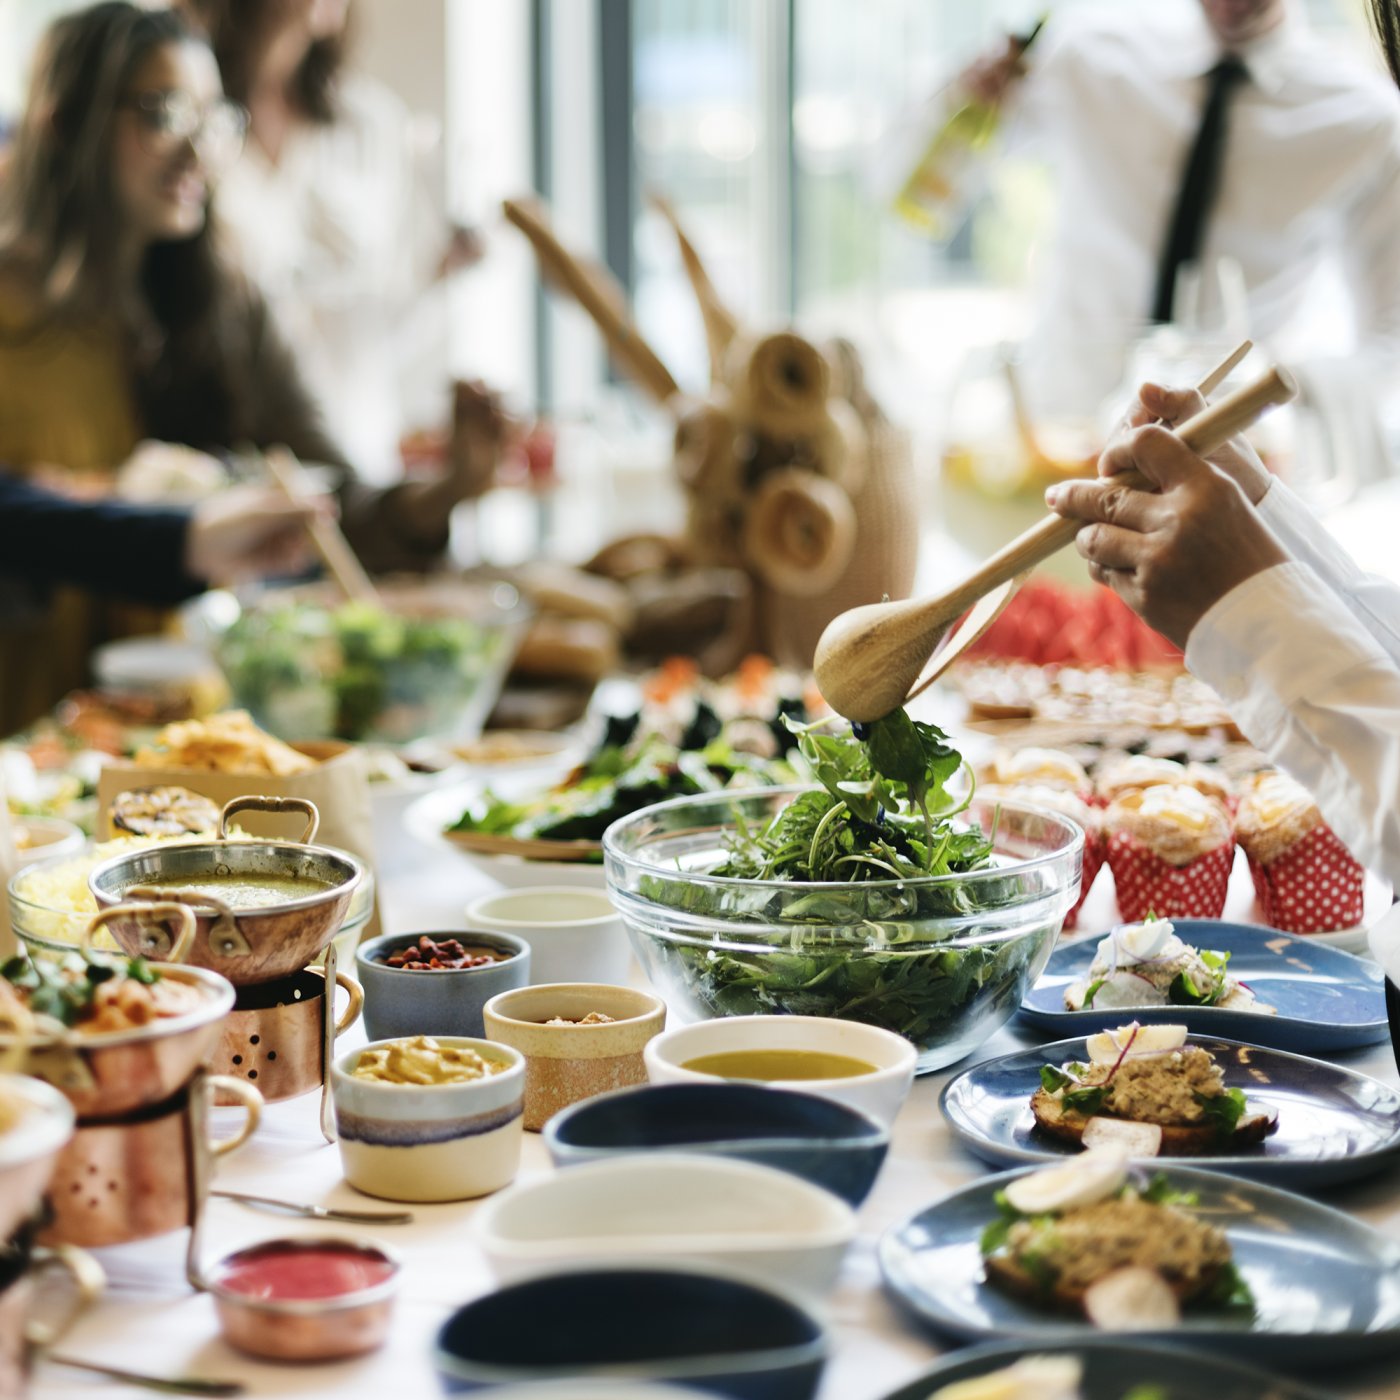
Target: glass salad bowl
{"x":943,"y":960}
{"x":429,"y":662}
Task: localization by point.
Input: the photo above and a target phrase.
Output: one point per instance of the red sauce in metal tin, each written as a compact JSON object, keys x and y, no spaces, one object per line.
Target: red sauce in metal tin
{"x":283,"y":1271}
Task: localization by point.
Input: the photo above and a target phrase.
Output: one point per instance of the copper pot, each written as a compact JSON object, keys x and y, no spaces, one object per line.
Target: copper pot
{"x":146,"y":1174}
{"x":245,"y":945}
{"x":119,"y":1072}
{"x":276,"y":1035}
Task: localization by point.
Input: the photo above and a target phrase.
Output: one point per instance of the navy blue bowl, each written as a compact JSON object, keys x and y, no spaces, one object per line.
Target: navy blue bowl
{"x":715,"y":1332}
{"x":824,"y":1142}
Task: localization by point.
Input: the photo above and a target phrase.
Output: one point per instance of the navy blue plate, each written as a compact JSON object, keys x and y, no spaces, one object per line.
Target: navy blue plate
{"x":1333,"y":1124}
{"x":1324,"y":999}
{"x":1326,"y":1287}
{"x":1113,"y":1369}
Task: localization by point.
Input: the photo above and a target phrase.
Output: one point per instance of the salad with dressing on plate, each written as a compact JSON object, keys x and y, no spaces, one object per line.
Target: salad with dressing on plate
{"x":1148,"y":964}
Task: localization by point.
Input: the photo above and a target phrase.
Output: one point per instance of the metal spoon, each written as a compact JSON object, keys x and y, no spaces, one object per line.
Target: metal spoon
{"x":172,"y":1385}
{"x":353,"y":1217}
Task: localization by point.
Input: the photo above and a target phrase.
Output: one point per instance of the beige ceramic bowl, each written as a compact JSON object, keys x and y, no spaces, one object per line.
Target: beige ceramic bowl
{"x":430,"y":1142}
{"x":564,"y":1064}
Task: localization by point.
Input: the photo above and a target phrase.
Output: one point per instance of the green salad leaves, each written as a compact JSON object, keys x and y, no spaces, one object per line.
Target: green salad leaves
{"x":627,"y":772}
{"x":924,"y":957}
{"x":883,"y":812}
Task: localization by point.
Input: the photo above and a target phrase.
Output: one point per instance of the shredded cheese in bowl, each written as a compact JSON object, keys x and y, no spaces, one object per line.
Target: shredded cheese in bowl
{"x":51,"y":904}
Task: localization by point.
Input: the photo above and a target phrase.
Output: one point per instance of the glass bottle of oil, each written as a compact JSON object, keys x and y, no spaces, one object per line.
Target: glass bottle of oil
{"x":934,"y":198}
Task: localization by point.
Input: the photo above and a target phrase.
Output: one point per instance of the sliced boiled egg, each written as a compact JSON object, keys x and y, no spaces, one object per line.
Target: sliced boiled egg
{"x":1107,"y":1046}
{"x":1084,"y":1181}
{"x":1132,"y":1299}
{"x":1031,"y":1378}
{"x":1154,"y":938}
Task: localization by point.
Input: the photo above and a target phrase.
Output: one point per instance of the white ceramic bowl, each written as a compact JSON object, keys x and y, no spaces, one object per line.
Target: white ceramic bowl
{"x":47,"y":838}
{"x":671,"y":1208}
{"x":574,"y":933}
{"x":881,"y":1093}
{"x":35,"y":1123}
{"x":428,"y":817}
{"x":430,"y":1142}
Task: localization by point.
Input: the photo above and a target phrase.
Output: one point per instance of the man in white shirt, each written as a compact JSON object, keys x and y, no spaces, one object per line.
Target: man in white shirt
{"x":1307,"y":174}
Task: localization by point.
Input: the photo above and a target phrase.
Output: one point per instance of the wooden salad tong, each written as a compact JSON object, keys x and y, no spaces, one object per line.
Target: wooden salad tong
{"x":868,"y":658}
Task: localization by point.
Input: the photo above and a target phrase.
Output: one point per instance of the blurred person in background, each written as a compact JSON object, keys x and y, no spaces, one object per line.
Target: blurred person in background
{"x":1190,"y":133}
{"x":155,"y":554}
{"x":332,"y":218}
{"x":120,"y":320}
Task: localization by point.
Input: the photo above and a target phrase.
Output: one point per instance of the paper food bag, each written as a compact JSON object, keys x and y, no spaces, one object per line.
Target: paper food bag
{"x":338,"y":785}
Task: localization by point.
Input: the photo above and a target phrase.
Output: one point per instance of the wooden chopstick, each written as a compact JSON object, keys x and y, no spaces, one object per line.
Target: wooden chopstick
{"x":342,"y":563}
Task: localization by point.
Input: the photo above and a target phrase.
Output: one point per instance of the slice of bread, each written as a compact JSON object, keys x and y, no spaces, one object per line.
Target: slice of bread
{"x":1011,"y":1277}
{"x":1178,"y":1139}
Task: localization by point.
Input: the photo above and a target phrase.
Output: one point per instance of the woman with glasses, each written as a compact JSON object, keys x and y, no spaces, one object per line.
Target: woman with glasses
{"x":332,"y":216}
{"x":120,"y":320}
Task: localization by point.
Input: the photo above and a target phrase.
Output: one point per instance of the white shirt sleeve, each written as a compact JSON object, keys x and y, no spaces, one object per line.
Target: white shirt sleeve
{"x":1312,"y":688}
{"x":1373,"y":601}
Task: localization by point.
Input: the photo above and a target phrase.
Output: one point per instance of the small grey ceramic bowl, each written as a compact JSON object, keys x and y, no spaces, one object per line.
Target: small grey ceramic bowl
{"x":436,"y":1001}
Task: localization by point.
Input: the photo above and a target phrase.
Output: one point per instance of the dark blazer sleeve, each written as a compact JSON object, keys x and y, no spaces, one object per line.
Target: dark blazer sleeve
{"x":125,"y":551}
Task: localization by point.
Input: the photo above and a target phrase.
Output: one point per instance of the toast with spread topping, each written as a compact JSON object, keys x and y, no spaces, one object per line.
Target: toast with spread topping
{"x":1147,"y":1089}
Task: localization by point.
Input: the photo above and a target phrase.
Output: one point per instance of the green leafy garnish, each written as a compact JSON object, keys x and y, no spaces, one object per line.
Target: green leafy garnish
{"x":1088,"y":1100}
{"x":994,"y":1235}
{"x":1185,"y":992}
{"x":1092,"y":990}
{"x":1223,"y":1111}
{"x":1230,"y":1290}
{"x":1160,"y":1192}
{"x":1052,"y":1079}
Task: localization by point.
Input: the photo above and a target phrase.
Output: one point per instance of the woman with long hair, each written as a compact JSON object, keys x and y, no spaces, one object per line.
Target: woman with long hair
{"x":121,"y":320}
{"x":330,"y":211}
{"x":1270,"y":610}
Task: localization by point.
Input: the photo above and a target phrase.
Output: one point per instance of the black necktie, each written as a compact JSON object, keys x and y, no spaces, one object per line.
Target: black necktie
{"x":1199,"y":179}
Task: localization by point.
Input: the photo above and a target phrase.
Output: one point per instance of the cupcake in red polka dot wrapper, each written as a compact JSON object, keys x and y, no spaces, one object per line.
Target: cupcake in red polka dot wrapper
{"x":1306,"y":880}
{"x":1068,"y":804}
{"x":1048,"y":768}
{"x":1137,"y":771}
{"x":1170,"y":848}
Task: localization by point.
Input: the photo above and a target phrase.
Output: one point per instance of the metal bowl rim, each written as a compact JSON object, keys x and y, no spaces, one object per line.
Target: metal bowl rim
{"x":327,"y":853}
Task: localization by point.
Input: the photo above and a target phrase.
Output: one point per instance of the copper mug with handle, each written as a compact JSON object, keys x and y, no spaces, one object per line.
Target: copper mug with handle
{"x":27,"y":1329}
{"x":145,"y":1174}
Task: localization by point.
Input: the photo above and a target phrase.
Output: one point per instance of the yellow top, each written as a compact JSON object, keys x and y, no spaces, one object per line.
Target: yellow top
{"x":65,"y":394}
{"x":66,"y":410}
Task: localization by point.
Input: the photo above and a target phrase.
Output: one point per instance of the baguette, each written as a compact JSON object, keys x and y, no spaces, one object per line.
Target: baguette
{"x":1178,"y":1139}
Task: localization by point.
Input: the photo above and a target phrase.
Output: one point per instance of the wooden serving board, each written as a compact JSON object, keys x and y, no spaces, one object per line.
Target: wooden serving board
{"x":487,"y":844}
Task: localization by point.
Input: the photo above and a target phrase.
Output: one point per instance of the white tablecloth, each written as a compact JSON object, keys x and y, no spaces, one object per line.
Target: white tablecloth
{"x":150,"y":1321}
